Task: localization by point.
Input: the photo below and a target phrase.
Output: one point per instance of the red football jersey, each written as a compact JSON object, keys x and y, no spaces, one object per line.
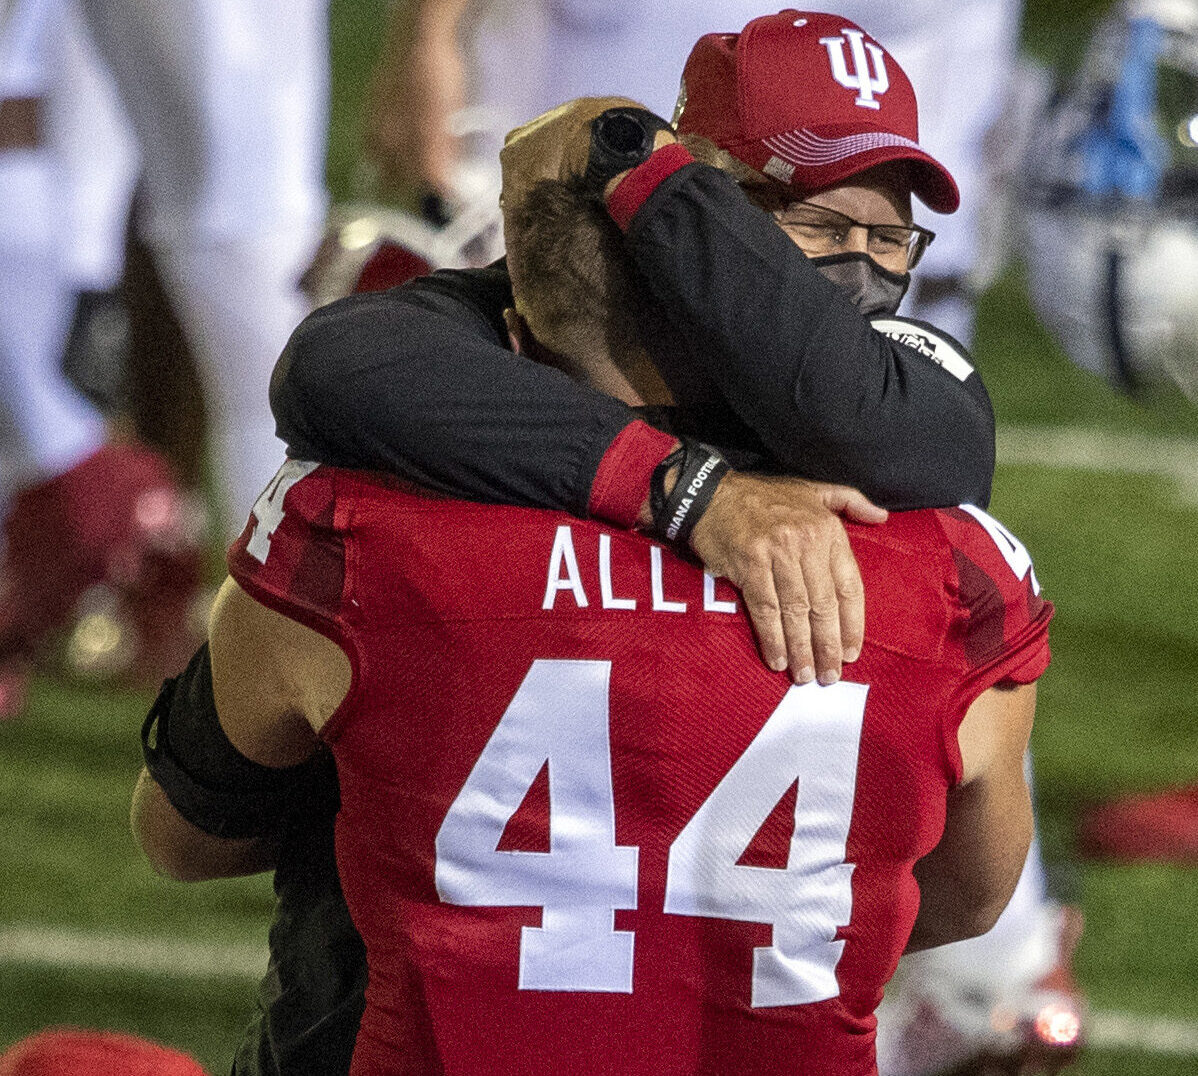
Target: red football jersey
{"x":583,"y":829}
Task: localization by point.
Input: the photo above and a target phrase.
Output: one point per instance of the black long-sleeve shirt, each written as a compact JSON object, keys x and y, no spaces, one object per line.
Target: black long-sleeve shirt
{"x":419,"y":380}
{"x":827,"y":396}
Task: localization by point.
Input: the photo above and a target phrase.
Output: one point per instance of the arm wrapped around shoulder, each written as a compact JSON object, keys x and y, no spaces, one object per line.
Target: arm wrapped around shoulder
{"x":206,"y":779}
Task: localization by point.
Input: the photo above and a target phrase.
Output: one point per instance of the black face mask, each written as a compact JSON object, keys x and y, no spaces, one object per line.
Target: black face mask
{"x":871,"y":289}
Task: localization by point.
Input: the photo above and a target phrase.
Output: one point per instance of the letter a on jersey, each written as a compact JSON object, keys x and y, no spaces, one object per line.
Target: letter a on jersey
{"x":868,"y":76}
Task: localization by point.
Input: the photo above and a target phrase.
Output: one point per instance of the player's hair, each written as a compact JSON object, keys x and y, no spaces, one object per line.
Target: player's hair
{"x":573,"y":281}
{"x":707,"y":152}
{"x":762,"y":191}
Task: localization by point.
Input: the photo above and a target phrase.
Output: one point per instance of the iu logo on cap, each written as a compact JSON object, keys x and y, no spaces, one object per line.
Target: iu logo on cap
{"x":868,"y":76}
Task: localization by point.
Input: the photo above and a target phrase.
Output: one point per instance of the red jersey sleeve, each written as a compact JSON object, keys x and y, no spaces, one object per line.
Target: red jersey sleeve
{"x":1000,"y":617}
{"x":291,"y":556}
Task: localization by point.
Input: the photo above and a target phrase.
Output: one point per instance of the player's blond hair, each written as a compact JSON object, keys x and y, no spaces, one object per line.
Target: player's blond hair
{"x":573,"y":280}
{"x":761,"y":190}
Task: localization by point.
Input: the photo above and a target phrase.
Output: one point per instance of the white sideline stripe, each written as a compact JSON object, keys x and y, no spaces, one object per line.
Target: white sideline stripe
{"x":1142,"y":1034}
{"x":78,"y":950}
{"x":1103,"y":451}
{"x":75,"y":950}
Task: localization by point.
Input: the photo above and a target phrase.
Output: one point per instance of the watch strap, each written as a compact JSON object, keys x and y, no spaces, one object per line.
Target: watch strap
{"x":621,"y":138}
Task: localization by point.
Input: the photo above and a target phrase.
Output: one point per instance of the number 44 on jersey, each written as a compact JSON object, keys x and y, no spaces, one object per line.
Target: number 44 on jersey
{"x":559,"y":716}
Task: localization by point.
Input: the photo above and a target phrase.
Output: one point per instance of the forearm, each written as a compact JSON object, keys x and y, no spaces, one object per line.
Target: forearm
{"x":828,"y":396}
{"x":415,"y":383}
{"x":185,"y":852}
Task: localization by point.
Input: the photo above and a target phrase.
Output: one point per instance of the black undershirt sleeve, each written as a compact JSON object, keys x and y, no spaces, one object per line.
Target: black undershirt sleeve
{"x":826,"y":395}
{"x":419,"y":381}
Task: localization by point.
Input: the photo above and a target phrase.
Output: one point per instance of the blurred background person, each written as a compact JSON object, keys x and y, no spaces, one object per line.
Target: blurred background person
{"x":1110,"y":231}
{"x":228,"y":103}
{"x":216,"y":112}
{"x":66,"y":174}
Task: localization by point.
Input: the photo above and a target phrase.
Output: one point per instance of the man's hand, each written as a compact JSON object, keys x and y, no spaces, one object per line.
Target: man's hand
{"x":552,"y":146}
{"x":781,"y":542}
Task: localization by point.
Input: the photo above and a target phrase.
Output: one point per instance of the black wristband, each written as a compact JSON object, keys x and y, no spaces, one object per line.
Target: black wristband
{"x":621,"y":138}
{"x":675,"y":515}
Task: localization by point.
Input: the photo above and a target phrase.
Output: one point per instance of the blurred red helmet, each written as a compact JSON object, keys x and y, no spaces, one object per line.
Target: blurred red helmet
{"x":371,"y":247}
{"x":68,"y":1052}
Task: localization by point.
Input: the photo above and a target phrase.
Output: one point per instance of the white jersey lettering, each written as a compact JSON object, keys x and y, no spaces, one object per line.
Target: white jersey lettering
{"x":561,"y":557}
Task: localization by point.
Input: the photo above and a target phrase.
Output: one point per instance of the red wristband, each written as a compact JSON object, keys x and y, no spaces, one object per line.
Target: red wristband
{"x":622,"y":482}
{"x":634,"y":189}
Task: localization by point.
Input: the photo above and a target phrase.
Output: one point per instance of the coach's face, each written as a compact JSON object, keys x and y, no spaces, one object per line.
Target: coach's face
{"x":868,"y":214}
{"x":879,"y":196}
{"x":859,"y":233}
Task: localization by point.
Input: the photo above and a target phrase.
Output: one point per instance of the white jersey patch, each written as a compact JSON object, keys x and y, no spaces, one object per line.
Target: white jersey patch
{"x":938,"y":346}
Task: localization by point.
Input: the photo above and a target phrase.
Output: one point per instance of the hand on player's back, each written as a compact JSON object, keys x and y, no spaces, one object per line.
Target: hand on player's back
{"x":782,"y":543}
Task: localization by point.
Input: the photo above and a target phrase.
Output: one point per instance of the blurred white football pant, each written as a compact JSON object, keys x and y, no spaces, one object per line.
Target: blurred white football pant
{"x":227,"y":103}
{"x":530,"y":55}
{"x":46,"y":426}
{"x":228,"y":100}
{"x":46,"y":257}
{"x":534,"y":54}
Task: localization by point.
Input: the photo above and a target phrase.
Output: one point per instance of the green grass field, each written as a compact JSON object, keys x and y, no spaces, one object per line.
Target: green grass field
{"x":1113,"y":549}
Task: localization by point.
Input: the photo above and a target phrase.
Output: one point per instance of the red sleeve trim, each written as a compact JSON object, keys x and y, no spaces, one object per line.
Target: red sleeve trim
{"x":622,"y":482}
{"x":634,"y":189}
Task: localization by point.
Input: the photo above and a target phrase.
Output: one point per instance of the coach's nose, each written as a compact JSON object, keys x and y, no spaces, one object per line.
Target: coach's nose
{"x":856,"y":240}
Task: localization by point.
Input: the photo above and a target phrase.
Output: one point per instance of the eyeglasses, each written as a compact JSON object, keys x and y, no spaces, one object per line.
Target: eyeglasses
{"x":819,"y":231}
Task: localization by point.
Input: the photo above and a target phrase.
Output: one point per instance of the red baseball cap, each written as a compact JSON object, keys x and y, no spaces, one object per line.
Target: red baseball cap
{"x":809,"y":100}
